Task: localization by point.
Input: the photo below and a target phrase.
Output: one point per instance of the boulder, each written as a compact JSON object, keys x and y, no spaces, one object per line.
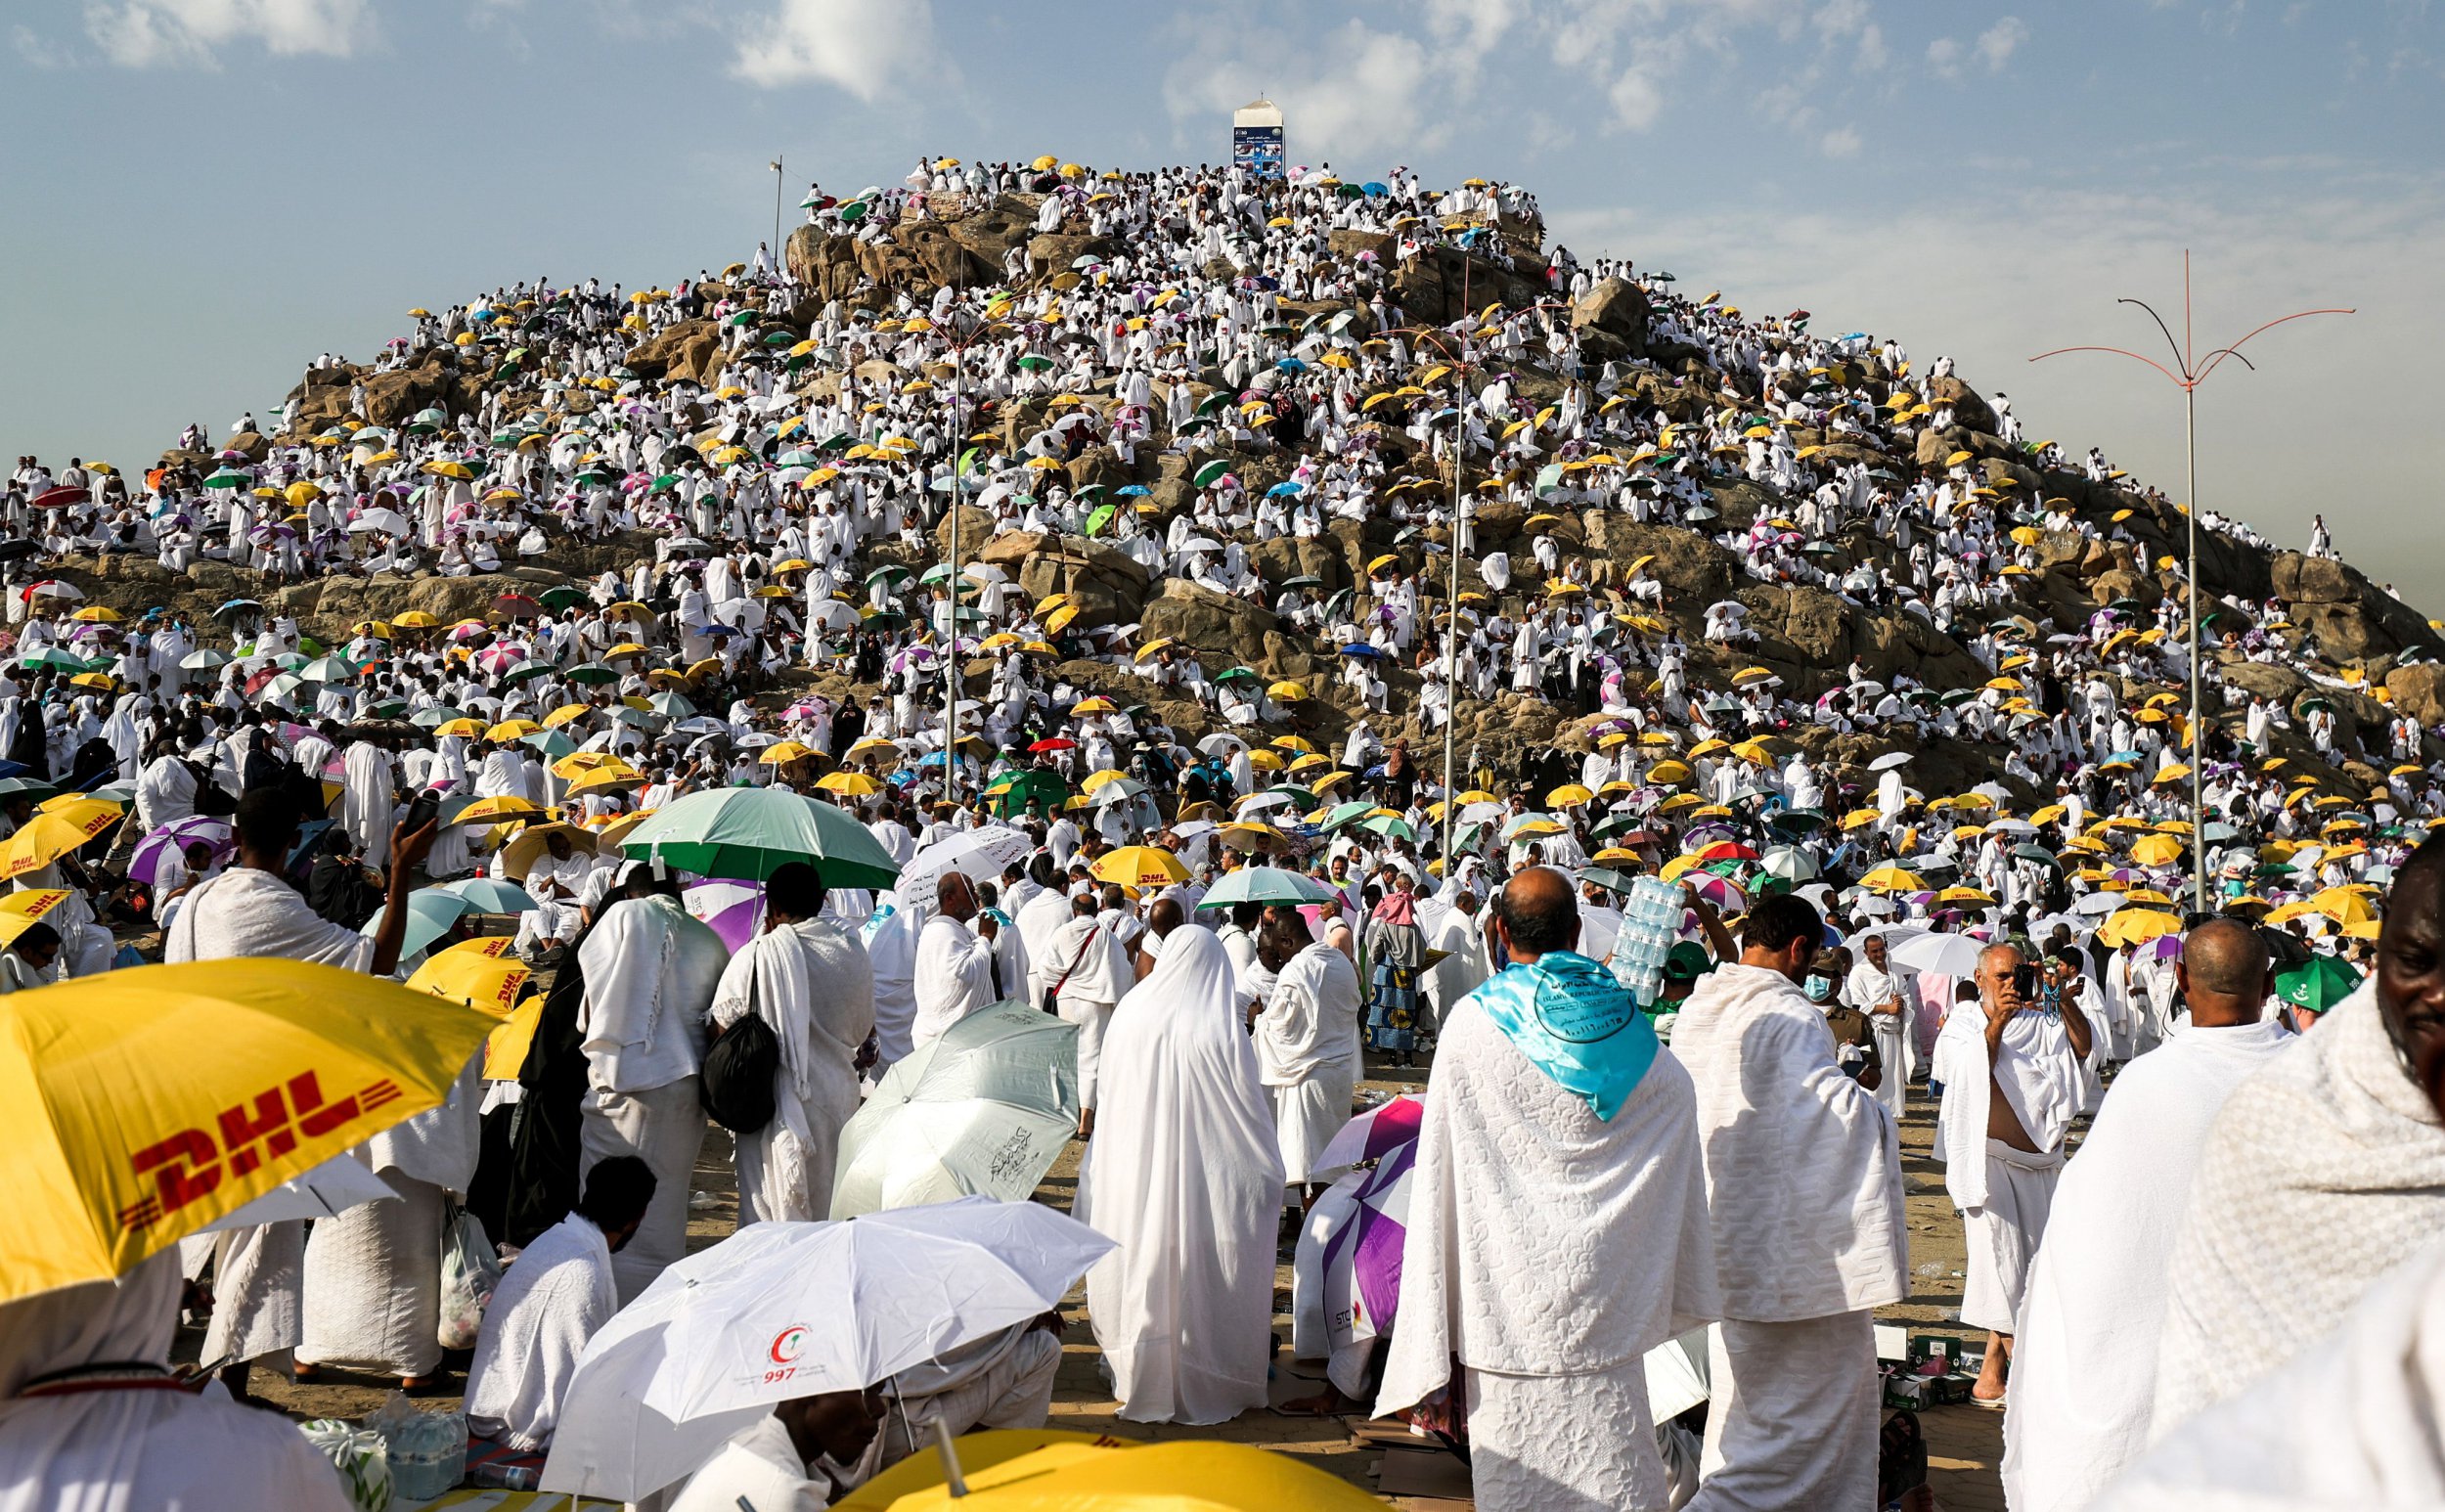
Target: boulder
{"x":1688,"y":564}
{"x":453,"y":598}
{"x":2419,"y":690}
{"x":1969,"y":410}
{"x":1055,"y":251}
{"x":689,"y":350}
{"x":1218,"y":625}
{"x":1287,"y":556}
{"x":393,"y":398}
{"x":1616,"y":311}
{"x":1348,"y":244}
{"x":1106,"y":583}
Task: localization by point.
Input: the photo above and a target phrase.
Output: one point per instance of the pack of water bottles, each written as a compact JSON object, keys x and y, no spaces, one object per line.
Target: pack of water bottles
{"x":1651,"y":925}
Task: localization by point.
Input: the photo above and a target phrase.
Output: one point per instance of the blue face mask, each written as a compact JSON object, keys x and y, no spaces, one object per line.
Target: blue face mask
{"x":1818,"y":988}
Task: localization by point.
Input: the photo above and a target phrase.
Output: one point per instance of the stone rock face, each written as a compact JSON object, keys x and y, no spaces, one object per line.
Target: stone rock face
{"x":1612,"y":320}
{"x":1106,"y":583}
{"x":690,"y":349}
{"x":1688,"y":564}
{"x":2418,"y":689}
{"x":393,"y":398}
{"x":1810,"y":636}
{"x":1969,"y":410}
{"x":1233,"y":628}
{"x":2350,"y":618}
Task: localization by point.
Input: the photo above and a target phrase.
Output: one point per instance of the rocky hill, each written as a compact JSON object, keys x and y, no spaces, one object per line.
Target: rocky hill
{"x":2340,"y":626}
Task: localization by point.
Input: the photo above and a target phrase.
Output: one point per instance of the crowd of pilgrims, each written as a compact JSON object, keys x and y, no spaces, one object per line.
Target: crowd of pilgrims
{"x":1576,"y":1202}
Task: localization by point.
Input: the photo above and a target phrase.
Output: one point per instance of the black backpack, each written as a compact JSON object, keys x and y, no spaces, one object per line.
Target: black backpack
{"x":736,"y":1089}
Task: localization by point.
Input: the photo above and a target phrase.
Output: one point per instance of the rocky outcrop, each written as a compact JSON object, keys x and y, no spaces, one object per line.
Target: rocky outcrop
{"x":2349,"y":617}
{"x":1611,"y":320}
{"x":1216,"y":624}
{"x":689,"y":351}
{"x":1106,"y":583}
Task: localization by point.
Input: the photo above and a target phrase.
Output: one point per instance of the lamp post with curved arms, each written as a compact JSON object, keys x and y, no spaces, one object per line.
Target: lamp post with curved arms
{"x":2189,"y":371}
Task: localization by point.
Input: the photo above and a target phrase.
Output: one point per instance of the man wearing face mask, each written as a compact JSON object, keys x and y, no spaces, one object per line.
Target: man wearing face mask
{"x":1854,"y":1033}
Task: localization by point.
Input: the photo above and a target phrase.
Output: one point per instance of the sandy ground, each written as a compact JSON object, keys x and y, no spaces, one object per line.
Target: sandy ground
{"x":1965,"y":1443}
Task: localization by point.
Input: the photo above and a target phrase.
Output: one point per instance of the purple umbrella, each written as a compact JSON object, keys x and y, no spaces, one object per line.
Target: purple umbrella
{"x":732,"y":910}
{"x":1354,"y":1242}
{"x":173,"y":839}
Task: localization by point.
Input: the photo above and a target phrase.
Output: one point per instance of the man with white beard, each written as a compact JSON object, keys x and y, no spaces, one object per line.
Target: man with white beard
{"x":2084,"y":1360}
{"x":810,"y":984}
{"x":2011,"y":1065}
{"x":1804,"y":1247}
{"x":1557,"y":1224}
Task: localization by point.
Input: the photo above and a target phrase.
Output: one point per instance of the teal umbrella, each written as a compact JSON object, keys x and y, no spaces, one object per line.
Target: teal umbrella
{"x":983,"y":1110}
{"x":1207,"y":474}
{"x":1269,"y":885}
{"x":439,"y":715}
{"x":2317,"y":983}
{"x":1389,"y":825}
{"x":430,"y":914}
{"x":489,"y":894}
{"x":747,"y":834}
{"x":329,"y":669}
{"x":551,"y":744}
{"x":1343,"y":814}
{"x":53,"y":656}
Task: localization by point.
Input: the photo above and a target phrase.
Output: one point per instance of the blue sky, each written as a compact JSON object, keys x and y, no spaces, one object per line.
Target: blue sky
{"x":206,"y":193}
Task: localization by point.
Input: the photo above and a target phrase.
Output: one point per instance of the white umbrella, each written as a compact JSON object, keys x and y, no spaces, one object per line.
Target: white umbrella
{"x":981,"y":854}
{"x":784,"y":1310}
{"x":2098,"y":903}
{"x":1788,"y":862}
{"x":985,"y":1109}
{"x":1889,"y":761}
{"x":1223,"y":746}
{"x":1944,"y":955}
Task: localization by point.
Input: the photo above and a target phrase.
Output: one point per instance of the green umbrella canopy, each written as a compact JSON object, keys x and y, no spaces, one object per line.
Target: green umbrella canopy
{"x":747,"y":834}
{"x":2317,"y":983}
{"x":1266,"y":884}
{"x":1010,"y":794}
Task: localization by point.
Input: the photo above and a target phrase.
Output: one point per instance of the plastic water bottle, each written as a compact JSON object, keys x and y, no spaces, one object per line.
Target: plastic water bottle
{"x":1651,"y":924}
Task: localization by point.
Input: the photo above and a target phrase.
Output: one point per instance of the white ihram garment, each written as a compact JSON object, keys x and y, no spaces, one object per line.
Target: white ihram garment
{"x":2321,"y":1172}
{"x":549,"y":1303}
{"x":1184,"y":1173}
{"x":2003,"y":1192}
{"x":1804,"y":1192}
{"x":2084,"y":1357}
{"x":1549,"y":1250}
{"x":810,"y":984}
{"x":953,"y":977}
{"x":1307,"y":1043}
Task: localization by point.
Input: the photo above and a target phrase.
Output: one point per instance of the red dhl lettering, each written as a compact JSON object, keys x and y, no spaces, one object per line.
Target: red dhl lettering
{"x":192,"y":1163}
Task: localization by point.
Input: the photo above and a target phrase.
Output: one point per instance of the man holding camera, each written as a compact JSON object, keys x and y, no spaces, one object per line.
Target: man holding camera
{"x":2010,"y":1064}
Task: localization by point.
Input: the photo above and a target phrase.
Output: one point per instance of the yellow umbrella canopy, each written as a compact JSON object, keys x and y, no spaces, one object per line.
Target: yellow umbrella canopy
{"x":1892,"y":879}
{"x":484,"y":974}
{"x":854,"y":785}
{"x":142,"y":1105}
{"x":1039,"y":1470}
{"x":53,"y":833}
{"x":1140,"y":866}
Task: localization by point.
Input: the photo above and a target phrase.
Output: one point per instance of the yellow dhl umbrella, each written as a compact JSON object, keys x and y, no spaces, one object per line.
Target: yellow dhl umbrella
{"x":19,"y":911}
{"x":577,"y":764}
{"x":1140,"y":866}
{"x":854,"y":785}
{"x":483,"y":974}
{"x":564,"y":714}
{"x":1892,"y":879}
{"x":98,"y":614}
{"x":782,"y":752}
{"x":1288,"y":692}
{"x":1042,"y":1470}
{"x":53,"y":833}
{"x":142,"y":1105}
{"x":493,"y":810}
{"x":2137,"y":927}
{"x":469,"y":728}
{"x":1097,"y":780}
{"x":1669,"y":773}
{"x":1569,"y":796}
{"x":2156,"y":851}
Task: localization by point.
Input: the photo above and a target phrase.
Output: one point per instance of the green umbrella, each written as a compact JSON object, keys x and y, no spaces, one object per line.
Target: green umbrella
{"x":1392,"y":825}
{"x":1343,"y":814}
{"x":53,"y":656}
{"x":1011,"y":794}
{"x":1238,"y":675}
{"x":592,"y":672}
{"x":1269,"y":885}
{"x":1607,"y":878}
{"x":1034,"y":363}
{"x":1207,"y":474}
{"x":329,"y":669}
{"x":985,"y":1109}
{"x":671,"y":704}
{"x":551,"y":744}
{"x":2317,"y":983}
{"x":561,"y":599}
{"x":430,"y":914}
{"x":439,"y":715}
{"x":747,"y":834}
{"x":1101,"y":518}
{"x":227,"y":478}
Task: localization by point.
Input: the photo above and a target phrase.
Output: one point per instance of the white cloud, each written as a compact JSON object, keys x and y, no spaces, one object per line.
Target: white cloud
{"x":865,"y":48}
{"x":159,"y":33}
{"x":1997,"y":43}
{"x":1841,"y":142}
{"x":1944,"y":56}
{"x":37,"y":51}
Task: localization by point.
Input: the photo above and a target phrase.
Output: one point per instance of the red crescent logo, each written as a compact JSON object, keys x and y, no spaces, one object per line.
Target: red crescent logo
{"x":787,"y":1343}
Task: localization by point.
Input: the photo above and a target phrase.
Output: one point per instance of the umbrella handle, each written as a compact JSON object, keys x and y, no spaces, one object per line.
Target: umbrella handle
{"x":954,"y":1482}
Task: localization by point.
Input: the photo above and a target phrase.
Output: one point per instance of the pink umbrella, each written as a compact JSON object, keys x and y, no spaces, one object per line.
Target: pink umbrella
{"x":732,"y":910}
{"x":173,"y":839}
{"x":1352,"y":1245}
{"x":1718,"y":891}
{"x":498,"y":659}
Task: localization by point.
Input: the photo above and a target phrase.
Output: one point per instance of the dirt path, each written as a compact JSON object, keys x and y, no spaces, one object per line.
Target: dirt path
{"x":1965,"y":1442}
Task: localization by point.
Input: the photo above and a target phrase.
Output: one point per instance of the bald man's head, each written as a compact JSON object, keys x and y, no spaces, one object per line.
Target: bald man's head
{"x":1538,"y":911}
{"x":2224,"y":974}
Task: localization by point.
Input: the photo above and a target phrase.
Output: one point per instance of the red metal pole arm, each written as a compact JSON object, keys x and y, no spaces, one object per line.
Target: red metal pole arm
{"x":2223,"y":352}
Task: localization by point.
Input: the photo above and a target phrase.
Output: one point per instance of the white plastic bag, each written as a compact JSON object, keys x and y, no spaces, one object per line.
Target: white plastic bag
{"x":471,"y":1268}
{"x":361,"y":1457}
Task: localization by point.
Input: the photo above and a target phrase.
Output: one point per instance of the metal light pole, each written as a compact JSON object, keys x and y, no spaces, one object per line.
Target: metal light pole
{"x":2187,"y":371}
{"x":776,"y":215}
